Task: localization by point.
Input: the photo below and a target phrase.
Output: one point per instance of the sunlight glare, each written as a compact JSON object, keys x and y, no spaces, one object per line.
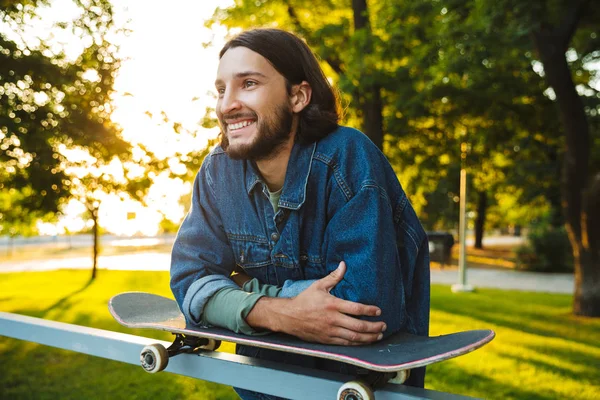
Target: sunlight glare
{"x":166,"y":71}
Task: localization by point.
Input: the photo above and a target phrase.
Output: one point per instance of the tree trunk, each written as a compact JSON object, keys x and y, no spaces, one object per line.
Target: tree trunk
{"x":94,"y":212}
{"x":580,"y":194}
{"x":587,"y":281}
{"x":370,"y":94}
{"x":373,"y":123}
{"x":480,"y":221}
{"x":553,"y":194}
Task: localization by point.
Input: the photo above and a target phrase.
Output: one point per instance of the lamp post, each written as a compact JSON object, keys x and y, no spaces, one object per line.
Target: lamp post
{"x":462,"y":285}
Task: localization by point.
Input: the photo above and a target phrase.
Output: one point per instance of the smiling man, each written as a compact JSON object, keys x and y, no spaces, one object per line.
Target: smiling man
{"x":297,"y":225}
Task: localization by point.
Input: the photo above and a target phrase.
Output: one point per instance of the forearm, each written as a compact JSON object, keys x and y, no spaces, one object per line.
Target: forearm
{"x":317,"y":316}
{"x":268,"y":313}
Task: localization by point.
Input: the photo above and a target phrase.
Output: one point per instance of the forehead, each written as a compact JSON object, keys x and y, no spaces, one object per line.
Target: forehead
{"x":240,"y":61}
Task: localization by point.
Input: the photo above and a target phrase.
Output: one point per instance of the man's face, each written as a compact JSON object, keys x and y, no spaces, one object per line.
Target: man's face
{"x":253,"y":107}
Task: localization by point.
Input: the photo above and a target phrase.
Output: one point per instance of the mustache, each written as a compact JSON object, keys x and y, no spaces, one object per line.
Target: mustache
{"x":229,"y":117}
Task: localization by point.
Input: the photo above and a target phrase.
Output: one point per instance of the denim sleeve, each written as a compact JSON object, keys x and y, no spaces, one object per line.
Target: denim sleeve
{"x":201,"y":259}
{"x":362,"y":233}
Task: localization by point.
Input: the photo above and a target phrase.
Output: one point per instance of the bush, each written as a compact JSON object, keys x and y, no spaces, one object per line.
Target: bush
{"x":548,"y":250}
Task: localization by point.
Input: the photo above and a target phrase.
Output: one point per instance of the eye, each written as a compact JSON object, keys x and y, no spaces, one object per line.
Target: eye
{"x":221,"y":91}
{"x":249,"y":83}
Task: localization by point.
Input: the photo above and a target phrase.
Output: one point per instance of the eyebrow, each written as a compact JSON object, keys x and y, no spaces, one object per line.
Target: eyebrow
{"x":243,"y":75}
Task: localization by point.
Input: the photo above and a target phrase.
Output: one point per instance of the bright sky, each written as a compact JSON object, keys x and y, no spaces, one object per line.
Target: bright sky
{"x":165,"y":67}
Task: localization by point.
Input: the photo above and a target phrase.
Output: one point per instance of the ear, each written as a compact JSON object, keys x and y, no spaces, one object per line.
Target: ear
{"x":300,"y":98}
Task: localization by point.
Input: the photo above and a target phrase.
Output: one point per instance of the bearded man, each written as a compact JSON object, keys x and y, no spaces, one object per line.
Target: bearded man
{"x":297,"y":225}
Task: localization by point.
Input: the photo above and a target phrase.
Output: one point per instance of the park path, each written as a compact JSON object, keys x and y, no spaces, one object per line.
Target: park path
{"x":156,"y":261}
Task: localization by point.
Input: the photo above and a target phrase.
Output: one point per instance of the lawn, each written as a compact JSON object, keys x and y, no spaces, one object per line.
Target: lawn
{"x":540,"y":352}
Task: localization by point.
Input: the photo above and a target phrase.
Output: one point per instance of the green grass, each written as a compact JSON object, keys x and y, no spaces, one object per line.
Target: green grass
{"x":31,"y":371}
{"x":540,"y":352}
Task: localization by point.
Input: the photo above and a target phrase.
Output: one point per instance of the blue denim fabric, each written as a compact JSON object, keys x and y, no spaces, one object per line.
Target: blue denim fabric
{"x":341,"y":201}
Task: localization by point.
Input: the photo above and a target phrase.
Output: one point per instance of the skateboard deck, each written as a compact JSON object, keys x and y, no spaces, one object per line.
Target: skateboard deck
{"x":400,"y":351}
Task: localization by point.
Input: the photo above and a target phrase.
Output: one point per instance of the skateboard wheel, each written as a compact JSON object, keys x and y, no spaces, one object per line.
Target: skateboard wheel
{"x":154,"y":358}
{"x":401,"y":377}
{"x":355,"y":390}
{"x":212,"y":345}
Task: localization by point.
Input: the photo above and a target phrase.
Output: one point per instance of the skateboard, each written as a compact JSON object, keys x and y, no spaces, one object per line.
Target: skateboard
{"x":392,"y":357}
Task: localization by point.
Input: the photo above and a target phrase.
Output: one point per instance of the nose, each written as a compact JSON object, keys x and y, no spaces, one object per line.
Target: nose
{"x":229,"y":102}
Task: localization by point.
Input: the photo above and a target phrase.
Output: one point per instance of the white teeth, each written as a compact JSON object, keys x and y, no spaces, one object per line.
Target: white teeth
{"x":239,"y":125}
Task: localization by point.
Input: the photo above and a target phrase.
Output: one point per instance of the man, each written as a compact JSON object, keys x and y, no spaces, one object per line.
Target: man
{"x":311,"y":213}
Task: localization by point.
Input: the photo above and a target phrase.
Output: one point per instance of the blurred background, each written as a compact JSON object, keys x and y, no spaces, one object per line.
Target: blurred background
{"x":107,"y":111}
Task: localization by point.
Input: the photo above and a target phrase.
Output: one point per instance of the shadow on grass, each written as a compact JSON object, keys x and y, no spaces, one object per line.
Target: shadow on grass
{"x":62,"y":302}
{"x":520,"y":312}
{"x":563,"y":372}
{"x":589,"y":364}
{"x":449,"y":377}
{"x":60,"y":305}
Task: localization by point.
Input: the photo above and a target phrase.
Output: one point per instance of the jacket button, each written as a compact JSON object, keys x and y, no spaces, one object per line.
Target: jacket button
{"x":274,"y":236}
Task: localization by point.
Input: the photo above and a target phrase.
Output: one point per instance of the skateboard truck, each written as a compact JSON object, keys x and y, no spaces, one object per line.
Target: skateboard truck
{"x":155,"y":357}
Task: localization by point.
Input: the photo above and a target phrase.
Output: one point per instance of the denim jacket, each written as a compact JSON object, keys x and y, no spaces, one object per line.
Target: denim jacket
{"x":341,"y":201}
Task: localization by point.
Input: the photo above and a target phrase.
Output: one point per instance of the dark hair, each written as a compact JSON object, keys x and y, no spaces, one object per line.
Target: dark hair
{"x":293,"y":59}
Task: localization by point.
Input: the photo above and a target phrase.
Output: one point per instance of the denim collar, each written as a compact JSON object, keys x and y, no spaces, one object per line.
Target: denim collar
{"x":296,"y":177}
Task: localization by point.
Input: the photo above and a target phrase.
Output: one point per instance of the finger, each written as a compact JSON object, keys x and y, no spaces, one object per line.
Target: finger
{"x":329,"y":281}
{"x":353,"y":338}
{"x":360,"y":326}
{"x":337,"y":341}
{"x":358,"y":309}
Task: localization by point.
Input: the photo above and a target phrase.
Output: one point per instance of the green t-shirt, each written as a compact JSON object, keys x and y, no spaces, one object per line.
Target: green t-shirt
{"x":274,"y":198}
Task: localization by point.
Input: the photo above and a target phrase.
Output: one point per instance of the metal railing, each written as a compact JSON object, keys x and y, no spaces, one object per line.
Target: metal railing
{"x":228,"y":369}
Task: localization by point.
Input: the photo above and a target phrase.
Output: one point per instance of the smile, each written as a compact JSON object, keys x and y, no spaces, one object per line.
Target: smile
{"x":239,"y":125}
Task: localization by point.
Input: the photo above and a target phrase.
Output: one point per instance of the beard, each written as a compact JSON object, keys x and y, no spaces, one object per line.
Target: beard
{"x":272,"y":132}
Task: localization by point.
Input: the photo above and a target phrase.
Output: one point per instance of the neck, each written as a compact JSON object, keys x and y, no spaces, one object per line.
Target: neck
{"x":274,"y":168}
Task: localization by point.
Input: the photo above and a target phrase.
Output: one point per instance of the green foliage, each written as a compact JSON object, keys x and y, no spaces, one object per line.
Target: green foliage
{"x":49,"y":102}
{"x":14,"y":221}
{"x":451,"y":72}
{"x":168,"y":226}
{"x":56,"y":135}
{"x":548,"y":250}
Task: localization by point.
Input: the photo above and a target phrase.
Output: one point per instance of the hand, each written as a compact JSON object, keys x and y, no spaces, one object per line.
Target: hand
{"x":317,"y":316}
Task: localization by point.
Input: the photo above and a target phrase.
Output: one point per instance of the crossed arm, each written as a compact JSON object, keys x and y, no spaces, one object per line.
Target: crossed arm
{"x":315,"y":315}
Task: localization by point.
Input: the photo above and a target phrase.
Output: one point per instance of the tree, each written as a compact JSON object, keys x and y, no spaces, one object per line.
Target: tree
{"x":428,"y":79}
{"x":52,"y":104}
{"x":564,"y":37}
{"x":92,"y":180}
{"x":48,"y":100}
{"x":552,"y":37}
{"x":463,"y":87}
